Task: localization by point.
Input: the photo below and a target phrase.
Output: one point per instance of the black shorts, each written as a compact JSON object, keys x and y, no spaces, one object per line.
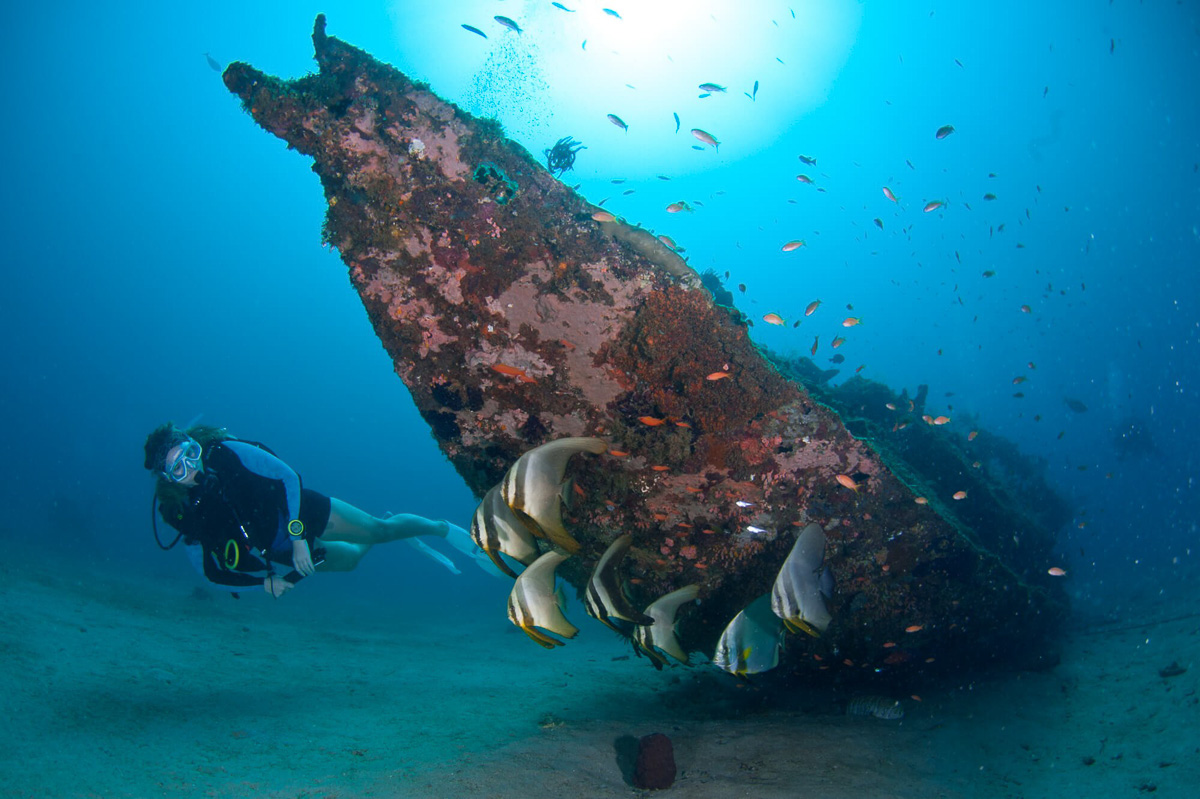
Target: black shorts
{"x":314,"y":513}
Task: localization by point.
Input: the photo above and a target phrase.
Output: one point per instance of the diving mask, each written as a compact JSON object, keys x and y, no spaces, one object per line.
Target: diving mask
{"x":186,"y":461}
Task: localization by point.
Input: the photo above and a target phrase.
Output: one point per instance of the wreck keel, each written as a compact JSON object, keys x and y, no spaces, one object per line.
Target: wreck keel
{"x":516,"y":313}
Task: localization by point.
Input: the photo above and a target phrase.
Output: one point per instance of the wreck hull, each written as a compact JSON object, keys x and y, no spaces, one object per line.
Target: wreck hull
{"x":515,"y":314}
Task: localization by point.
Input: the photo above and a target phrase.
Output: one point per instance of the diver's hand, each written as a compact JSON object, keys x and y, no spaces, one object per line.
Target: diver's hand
{"x":276,"y":585}
{"x":302,"y":558}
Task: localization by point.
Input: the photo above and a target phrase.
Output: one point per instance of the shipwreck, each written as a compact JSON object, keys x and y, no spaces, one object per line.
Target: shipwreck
{"x":516,"y":313}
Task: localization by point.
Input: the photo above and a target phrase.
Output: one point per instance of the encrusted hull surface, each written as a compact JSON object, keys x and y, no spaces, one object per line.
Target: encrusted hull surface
{"x":516,"y":315}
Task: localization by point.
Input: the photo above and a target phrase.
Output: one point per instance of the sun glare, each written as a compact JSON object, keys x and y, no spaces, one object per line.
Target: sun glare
{"x":566,"y":71}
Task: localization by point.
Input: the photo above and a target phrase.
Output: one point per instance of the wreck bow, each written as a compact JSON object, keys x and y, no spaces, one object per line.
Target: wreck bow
{"x":517,"y":314}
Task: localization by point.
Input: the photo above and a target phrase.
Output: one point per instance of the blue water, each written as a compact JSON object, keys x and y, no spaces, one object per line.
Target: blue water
{"x":162,"y":254}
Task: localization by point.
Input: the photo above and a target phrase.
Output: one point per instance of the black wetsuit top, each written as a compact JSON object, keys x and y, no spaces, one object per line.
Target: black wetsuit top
{"x":236,"y":516}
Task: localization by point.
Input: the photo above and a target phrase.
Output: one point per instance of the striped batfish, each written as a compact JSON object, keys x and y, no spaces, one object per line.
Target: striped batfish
{"x":661,"y":634}
{"x":495,"y":529}
{"x":604,"y":598}
{"x":534,"y":603}
{"x":533,"y":488}
{"x":796,"y":596}
{"x":751,"y":642}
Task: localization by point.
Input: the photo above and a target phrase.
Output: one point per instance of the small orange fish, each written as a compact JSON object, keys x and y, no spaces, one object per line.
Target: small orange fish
{"x":668,"y":242}
{"x":960,"y":494}
{"x":579,"y":490}
{"x":661,"y":468}
{"x":683,"y":424}
{"x":676,"y":207}
{"x":847,"y":481}
{"x":1054,"y":571}
{"x":921,"y":501}
{"x":889,"y":644}
{"x":804,"y":178}
{"x":976,"y":464}
{"x":511,"y":371}
{"x":891,"y":406}
{"x":1018,"y":380}
{"x":914,"y":628}
{"x":941,"y":420}
{"x":851,"y":321}
{"x":812,"y":307}
{"x":717,"y":376}
{"x":603,"y":216}
{"x":773,"y":319}
{"x":933,"y":205}
{"x":916,"y":698}
{"x":793,"y":245}
{"x":618,"y":453}
{"x":651,"y":421}
{"x":837,"y":342}
{"x":814,"y":346}
{"x":888,"y":193}
{"x":927,"y":419}
{"x":693,"y":490}
{"x":1026,"y":309}
{"x":971,"y":435}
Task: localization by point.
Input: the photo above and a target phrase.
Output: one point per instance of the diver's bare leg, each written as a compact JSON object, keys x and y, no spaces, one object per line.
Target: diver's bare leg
{"x":341,"y":556}
{"x":348,"y":523}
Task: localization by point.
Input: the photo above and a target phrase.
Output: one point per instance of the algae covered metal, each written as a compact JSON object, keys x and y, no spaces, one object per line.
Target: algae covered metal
{"x":516,"y":314}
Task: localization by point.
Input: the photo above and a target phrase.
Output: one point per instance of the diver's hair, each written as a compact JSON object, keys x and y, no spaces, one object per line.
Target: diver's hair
{"x":171,"y":495}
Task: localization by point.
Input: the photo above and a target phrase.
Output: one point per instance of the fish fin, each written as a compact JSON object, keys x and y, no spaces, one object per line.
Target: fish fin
{"x":500,"y":564}
{"x":554,"y":455}
{"x":539,"y":637}
{"x":631,"y":615}
{"x":550,"y":529}
{"x":801,"y":625}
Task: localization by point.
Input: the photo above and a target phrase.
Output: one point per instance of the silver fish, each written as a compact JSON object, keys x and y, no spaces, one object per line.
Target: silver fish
{"x":661,"y":634}
{"x":534,"y":603}
{"x":750,"y":643}
{"x":878,"y":706}
{"x":796,"y":596}
{"x":533,"y":488}
{"x":495,"y":529}
{"x":604,"y":598}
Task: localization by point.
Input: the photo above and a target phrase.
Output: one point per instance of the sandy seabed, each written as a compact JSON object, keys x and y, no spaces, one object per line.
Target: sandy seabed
{"x":150,"y":687}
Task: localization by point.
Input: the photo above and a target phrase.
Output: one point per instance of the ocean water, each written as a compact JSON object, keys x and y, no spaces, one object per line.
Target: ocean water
{"x":162,"y":254}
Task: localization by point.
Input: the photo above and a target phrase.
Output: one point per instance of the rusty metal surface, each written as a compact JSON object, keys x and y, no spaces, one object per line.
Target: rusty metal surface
{"x":515,"y":316}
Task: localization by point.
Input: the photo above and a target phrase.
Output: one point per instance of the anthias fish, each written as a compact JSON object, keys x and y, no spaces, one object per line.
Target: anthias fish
{"x":707,"y":138}
{"x":508,"y":23}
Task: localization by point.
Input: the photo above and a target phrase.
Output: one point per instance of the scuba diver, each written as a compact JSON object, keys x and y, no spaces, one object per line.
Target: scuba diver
{"x":241,"y":511}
